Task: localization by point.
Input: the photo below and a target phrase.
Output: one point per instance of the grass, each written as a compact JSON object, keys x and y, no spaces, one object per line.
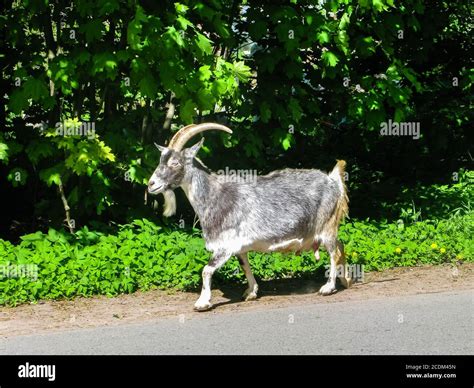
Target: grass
{"x":142,"y":255}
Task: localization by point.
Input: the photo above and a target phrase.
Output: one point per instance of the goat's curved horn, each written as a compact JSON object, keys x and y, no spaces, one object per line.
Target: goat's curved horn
{"x":178,"y":134}
{"x":184,"y":134}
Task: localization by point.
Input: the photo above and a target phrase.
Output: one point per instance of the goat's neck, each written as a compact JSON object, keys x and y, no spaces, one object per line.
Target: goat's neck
{"x":199,"y":187}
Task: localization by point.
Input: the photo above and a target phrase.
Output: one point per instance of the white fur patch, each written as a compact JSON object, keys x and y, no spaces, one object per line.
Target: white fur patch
{"x":229,"y":242}
{"x":169,"y":207}
{"x":293,"y":244}
{"x":187,"y":188}
{"x":328,"y":288}
{"x":336,"y":177}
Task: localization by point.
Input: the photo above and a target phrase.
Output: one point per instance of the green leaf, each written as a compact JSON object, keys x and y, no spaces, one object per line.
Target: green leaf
{"x":241,"y":71}
{"x":205,"y":73}
{"x":37,"y":236}
{"x":51,"y":175}
{"x":204,"y":44}
{"x":181,"y":8}
{"x":379,"y":5}
{"x":411,"y":75}
{"x":342,"y":39}
{"x":295,"y":108}
{"x":219,"y":87}
{"x":330,"y":59}
{"x":18,"y":101}
{"x":206,"y":99}
{"x":399,"y":115}
{"x":344,"y":22}
{"x":323,"y":37}
{"x":286,"y":143}
{"x":148,"y":86}
{"x":187,"y":111}
{"x":172,"y":35}
{"x":39,"y":149}
{"x":183,"y":23}
{"x":35,"y":89}
{"x":105,"y":62}
{"x":3,"y":152}
{"x":134,"y":29}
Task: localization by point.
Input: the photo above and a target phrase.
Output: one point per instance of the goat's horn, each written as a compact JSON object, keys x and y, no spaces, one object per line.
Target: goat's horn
{"x":184,"y":134}
{"x":178,"y":134}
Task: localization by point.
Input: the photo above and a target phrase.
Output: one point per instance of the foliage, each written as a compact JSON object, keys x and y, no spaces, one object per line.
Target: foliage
{"x":417,"y":202}
{"x":300,"y":82}
{"x":88,"y":87}
{"x":143,"y":256}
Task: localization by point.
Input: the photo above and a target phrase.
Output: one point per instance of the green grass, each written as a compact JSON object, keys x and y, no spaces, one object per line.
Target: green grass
{"x":142,"y":255}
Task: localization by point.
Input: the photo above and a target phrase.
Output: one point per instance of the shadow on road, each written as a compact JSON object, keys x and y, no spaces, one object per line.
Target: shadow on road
{"x":278,"y":287}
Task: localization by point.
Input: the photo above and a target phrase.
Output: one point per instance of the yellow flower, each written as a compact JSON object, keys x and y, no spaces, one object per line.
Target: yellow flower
{"x":354,"y":254}
{"x":434,"y":246}
{"x":442,"y":250}
{"x":398,"y":250}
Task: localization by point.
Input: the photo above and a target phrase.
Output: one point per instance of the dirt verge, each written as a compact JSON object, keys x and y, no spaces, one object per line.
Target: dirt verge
{"x":152,"y":305}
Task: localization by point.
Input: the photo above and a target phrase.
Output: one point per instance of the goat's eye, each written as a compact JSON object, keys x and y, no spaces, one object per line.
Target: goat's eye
{"x":174,"y":163}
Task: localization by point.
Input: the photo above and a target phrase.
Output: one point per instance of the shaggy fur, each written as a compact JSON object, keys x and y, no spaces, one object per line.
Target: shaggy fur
{"x":286,"y":210}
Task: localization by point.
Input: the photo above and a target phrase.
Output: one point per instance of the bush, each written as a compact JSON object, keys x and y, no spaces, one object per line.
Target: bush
{"x":381,"y":246}
{"x":142,"y":255}
{"x":139,"y":256}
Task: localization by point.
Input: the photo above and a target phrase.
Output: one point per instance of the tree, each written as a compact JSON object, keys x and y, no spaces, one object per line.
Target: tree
{"x":89,"y":87}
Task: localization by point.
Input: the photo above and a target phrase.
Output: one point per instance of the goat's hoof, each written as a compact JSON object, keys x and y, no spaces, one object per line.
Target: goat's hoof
{"x":327,"y":289}
{"x":202,"y":306}
{"x":346,"y":282}
{"x":250,"y":293}
{"x":249,"y":296}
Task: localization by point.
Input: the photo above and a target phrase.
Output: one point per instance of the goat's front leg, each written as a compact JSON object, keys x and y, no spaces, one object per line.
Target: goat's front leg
{"x":217,"y":261}
{"x":251,"y":292}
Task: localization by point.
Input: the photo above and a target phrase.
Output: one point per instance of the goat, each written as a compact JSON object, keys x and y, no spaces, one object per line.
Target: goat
{"x":286,"y":210}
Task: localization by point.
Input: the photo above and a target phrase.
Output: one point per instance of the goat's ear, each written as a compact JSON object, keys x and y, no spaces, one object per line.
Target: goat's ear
{"x":161,"y":148}
{"x":192,"y":151}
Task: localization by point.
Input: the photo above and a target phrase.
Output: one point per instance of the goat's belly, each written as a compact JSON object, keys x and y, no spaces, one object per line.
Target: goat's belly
{"x":291,"y":245}
{"x":232,"y":244}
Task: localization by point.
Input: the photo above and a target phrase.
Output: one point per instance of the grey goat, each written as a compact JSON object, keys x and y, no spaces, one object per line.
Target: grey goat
{"x":286,"y":210}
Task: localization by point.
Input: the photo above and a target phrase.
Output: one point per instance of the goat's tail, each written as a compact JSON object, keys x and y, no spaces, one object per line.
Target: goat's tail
{"x":338,"y":175}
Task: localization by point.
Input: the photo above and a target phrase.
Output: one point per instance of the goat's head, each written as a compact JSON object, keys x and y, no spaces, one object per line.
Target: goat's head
{"x":174,"y":162}
{"x":170,"y":172}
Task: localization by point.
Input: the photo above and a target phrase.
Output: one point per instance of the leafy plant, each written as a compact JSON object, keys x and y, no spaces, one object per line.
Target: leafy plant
{"x":142,"y":255}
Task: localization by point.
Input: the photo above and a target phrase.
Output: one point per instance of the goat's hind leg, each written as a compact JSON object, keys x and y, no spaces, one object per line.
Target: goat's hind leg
{"x":217,"y":261}
{"x":330,"y":286}
{"x":343,"y":275}
{"x":338,"y":268}
{"x":251,"y":292}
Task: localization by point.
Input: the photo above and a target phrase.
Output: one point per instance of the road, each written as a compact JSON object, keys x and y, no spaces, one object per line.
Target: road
{"x":437,"y":323}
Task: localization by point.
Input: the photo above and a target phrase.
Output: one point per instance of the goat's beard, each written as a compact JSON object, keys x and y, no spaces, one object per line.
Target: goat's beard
{"x":169,"y":207}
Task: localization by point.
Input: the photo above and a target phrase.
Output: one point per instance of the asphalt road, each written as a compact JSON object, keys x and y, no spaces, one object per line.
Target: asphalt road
{"x":439,"y":323}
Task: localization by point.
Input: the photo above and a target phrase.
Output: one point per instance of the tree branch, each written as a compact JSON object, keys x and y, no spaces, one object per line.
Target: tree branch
{"x":169,"y":114}
{"x":67,"y":209}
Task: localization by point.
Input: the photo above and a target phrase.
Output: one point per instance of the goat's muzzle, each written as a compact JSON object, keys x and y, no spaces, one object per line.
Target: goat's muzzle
{"x":155,"y":186}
